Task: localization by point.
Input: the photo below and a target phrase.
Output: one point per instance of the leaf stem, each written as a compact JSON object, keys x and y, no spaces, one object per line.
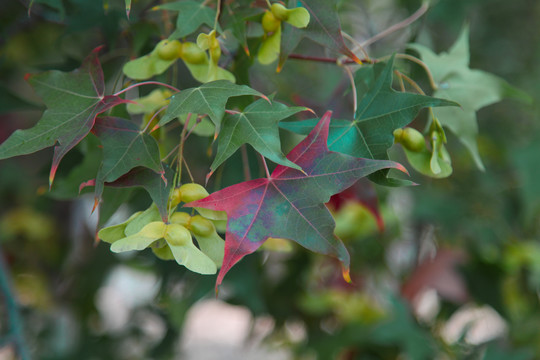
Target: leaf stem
{"x":172,"y":152}
{"x":218,"y":13}
{"x":193,"y":127}
{"x":265,"y":166}
{"x":400,"y":25}
{"x":145,"y":83}
{"x":411,"y":82}
{"x":356,"y":43}
{"x":327,"y":60}
{"x":422,"y":64}
{"x":188,"y":171}
{"x":153,"y":117}
{"x":181,"y":148}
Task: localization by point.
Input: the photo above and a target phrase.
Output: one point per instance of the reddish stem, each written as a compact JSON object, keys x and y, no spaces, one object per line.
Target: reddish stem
{"x":146,"y":83}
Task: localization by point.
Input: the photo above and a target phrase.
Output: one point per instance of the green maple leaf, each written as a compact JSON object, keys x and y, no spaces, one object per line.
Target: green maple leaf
{"x":73,"y":101}
{"x":257,"y":125}
{"x":209,"y":98}
{"x":125,"y":147}
{"x":380,"y":111}
{"x":472,"y":89}
{"x":191,"y":15}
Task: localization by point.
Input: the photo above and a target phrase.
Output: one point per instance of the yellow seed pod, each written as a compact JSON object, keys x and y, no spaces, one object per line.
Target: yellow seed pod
{"x":280,"y":11}
{"x":192,"y":191}
{"x":269,"y":22}
{"x":193,"y":54}
{"x":180,"y":218}
{"x":174,"y":198}
{"x":201,"y":226}
{"x":169,"y":49}
{"x":177,"y":235}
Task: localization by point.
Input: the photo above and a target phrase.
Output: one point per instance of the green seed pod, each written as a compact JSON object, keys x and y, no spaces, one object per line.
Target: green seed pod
{"x":269,"y":22}
{"x":280,"y":12}
{"x":180,"y":218}
{"x":177,"y":235}
{"x":175,"y":198}
{"x":169,"y":50}
{"x":191,"y":192}
{"x":410,"y":138}
{"x":193,"y":54}
{"x":201,"y":226}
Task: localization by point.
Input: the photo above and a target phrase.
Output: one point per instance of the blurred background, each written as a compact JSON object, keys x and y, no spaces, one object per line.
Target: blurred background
{"x":454,"y":275}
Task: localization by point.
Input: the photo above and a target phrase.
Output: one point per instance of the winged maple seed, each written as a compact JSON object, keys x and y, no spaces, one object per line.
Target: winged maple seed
{"x":289,"y":203}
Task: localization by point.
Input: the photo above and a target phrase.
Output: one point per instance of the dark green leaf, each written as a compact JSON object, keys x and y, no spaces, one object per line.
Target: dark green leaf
{"x":257,"y":125}
{"x":125,"y":147}
{"x":380,"y":111}
{"x":191,"y":15}
{"x":73,"y":100}
{"x":209,"y":98}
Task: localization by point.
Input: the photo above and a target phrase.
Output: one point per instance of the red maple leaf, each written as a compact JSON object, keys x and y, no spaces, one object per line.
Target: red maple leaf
{"x":289,"y":203}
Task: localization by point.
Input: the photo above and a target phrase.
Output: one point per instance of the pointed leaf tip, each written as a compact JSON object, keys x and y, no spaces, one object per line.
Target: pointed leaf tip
{"x":346,"y":273}
{"x":91,"y":182}
{"x":402,"y":168}
{"x":96,"y":203}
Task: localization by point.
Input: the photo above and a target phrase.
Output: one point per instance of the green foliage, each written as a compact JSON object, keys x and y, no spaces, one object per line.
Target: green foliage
{"x":341,"y":268}
{"x":472,"y":89}
{"x":257,"y":125}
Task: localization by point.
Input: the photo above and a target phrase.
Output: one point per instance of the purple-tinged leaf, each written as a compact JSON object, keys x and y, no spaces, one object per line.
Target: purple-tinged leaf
{"x":257,"y":125}
{"x":290,"y":204}
{"x":380,"y":111}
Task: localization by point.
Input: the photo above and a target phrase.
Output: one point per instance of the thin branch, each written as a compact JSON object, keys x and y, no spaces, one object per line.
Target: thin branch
{"x":410,"y":81}
{"x":356,"y":43}
{"x":400,"y":25}
{"x":146,"y":83}
{"x":218,"y":13}
{"x":181,"y":148}
{"x":327,"y":60}
{"x":197,"y":122}
{"x":172,"y":152}
{"x":153,"y":117}
{"x":423,"y":65}
{"x":188,"y":171}
{"x":401,"y":84}
{"x":15,"y":322}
